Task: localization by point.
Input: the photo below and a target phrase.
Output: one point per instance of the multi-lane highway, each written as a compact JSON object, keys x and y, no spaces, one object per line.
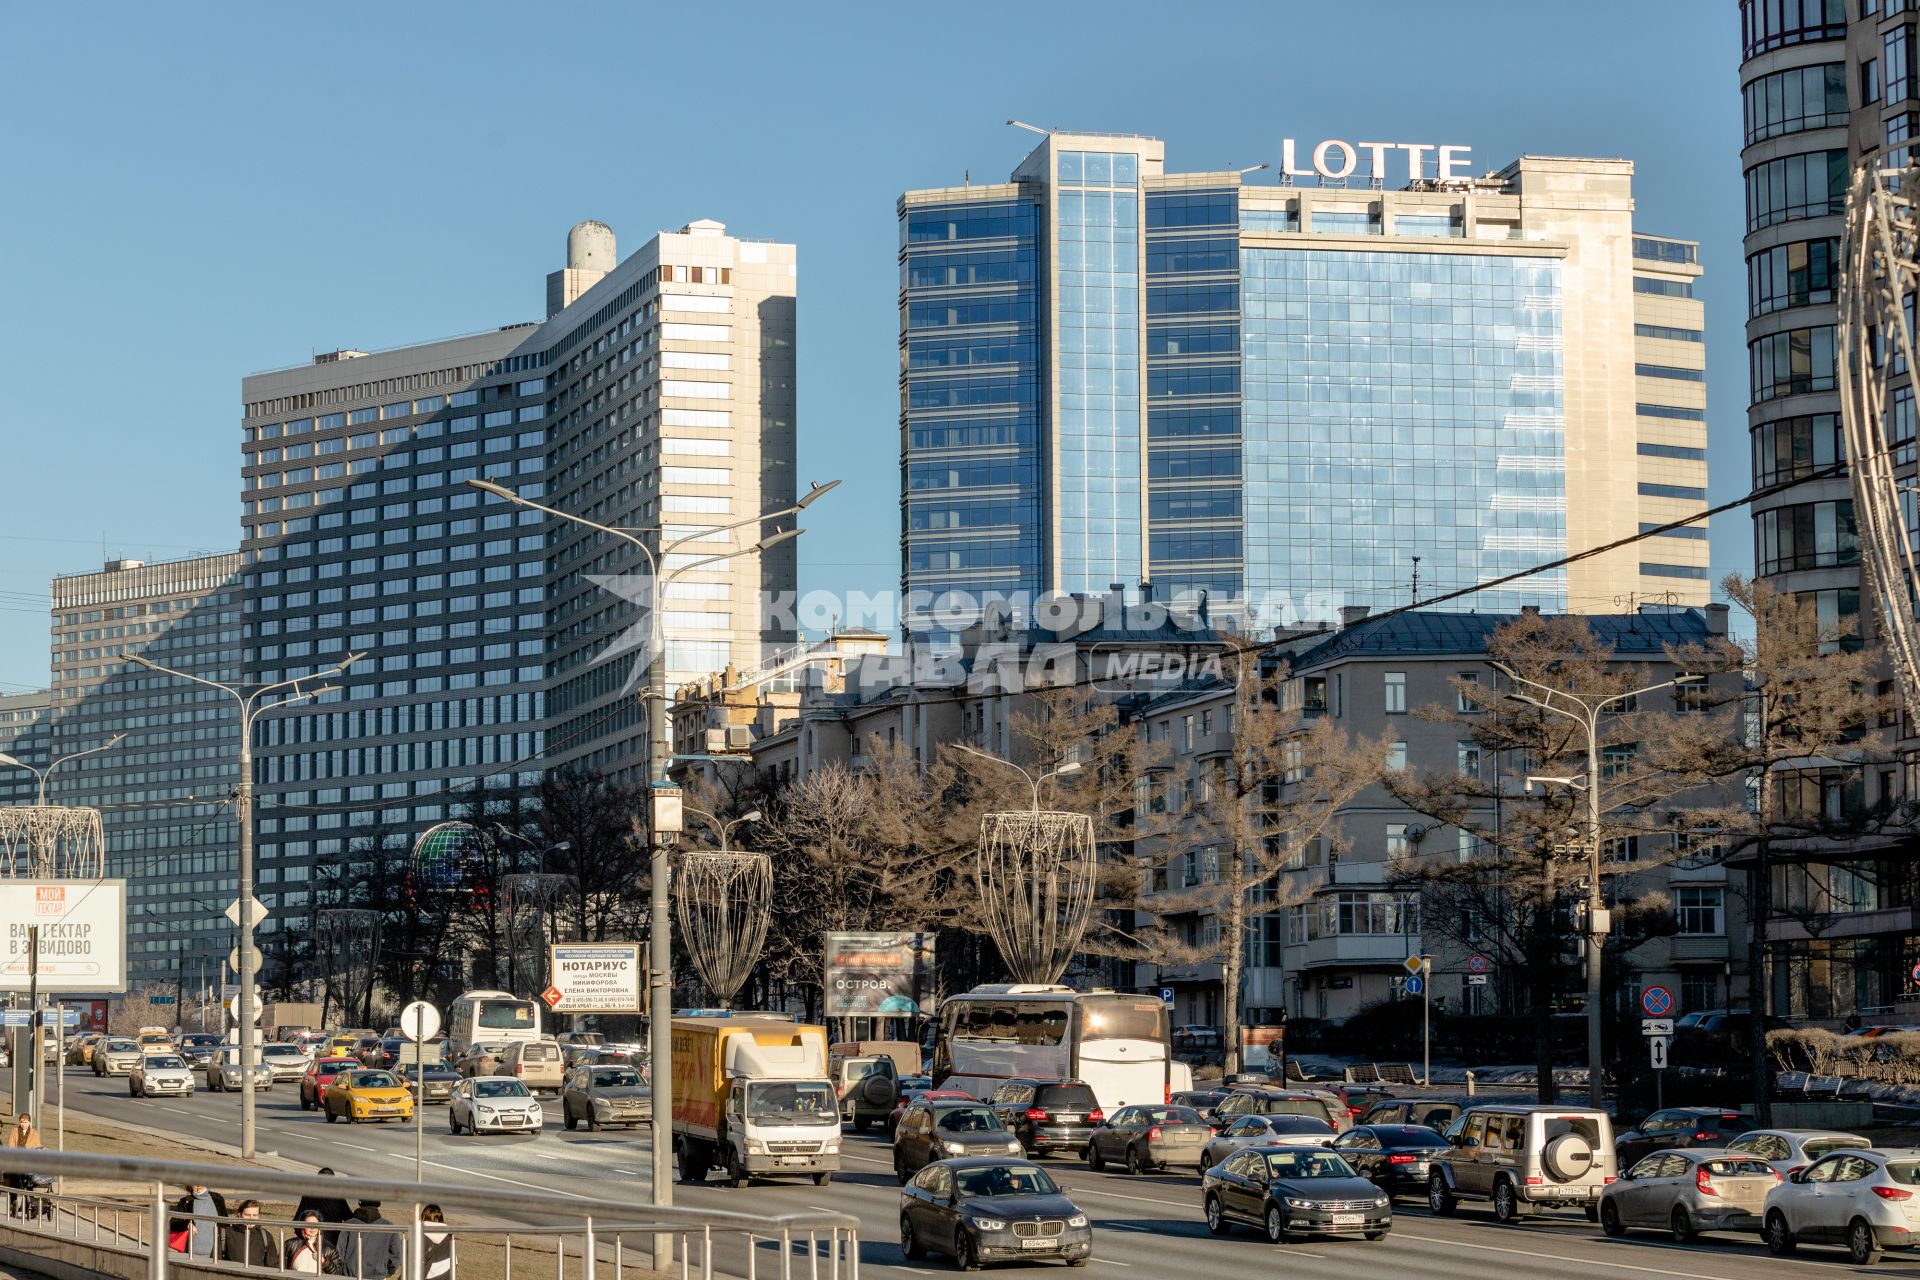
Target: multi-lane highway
{"x":1144,"y":1227}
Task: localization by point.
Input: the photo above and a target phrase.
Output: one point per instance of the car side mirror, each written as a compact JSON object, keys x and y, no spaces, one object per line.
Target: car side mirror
{"x":1469,"y":1142}
{"x":1796,"y":1177}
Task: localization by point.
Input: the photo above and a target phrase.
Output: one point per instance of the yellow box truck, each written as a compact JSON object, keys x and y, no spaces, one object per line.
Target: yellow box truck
{"x":751,"y":1097}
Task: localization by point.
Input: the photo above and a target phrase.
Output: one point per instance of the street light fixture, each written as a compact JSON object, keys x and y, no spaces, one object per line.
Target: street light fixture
{"x":251,"y":708}
{"x":1064,"y":770}
{"x":659,"y":753}
{"x":726,"y":828}
{"x":42,"y":774}
{"x":1586,"y":713}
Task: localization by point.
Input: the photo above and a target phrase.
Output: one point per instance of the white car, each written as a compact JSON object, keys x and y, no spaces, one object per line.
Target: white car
{"x":160,"y":1073}
{"x":1265,"y":1131}
{"x":285,"y":1061}
{"x":493,"y":1104}
{"x":1791,"y":1150}
{"x":1864,"y":1201}
{"x":223,"y":1073}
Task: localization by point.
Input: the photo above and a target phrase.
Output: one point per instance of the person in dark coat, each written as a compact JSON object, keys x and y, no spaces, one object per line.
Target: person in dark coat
{"x":197,"y":1209}
{"x":330,"y":1209}
{"x":372,"y":1255}
{"x":246,"y":1243}
{"x":308,"y":1250}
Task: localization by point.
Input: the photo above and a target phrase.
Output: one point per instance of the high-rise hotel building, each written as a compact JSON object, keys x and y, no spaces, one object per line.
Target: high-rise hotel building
{"x":165,"y":792}
{"x":1824,"y":85}
{"x":1116,"y":374}
{"x":658,"y":394}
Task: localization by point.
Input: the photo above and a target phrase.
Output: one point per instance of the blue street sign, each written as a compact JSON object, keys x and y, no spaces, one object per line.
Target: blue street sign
{"x":159,"y":999}
{"x":1415,"y":985}
{"x":1166,"y":994}
{"x":15,"y":1018}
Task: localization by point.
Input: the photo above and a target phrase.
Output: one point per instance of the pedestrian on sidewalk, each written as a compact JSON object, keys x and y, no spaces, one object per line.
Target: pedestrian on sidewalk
{"x":246,"y":1242}
{"x":375,"y":1253}
{"x":438,"y":1254}
{"x":330,"y":1209}
{"x":194,"y":1231}
{"x":22,"y":1136}
{"x":309,"y":1251}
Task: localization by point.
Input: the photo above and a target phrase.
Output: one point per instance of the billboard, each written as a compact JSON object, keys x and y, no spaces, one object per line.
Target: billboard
{"x":83,"y":934}
{"x":879,"y":975}
{"x":1263,"y":1048}
{"x":595,"y":977}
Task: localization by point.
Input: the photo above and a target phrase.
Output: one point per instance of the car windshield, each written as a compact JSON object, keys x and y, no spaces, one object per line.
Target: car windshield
{"x":1817,"y":1147}
{"x":164,"y":1064}
{"x":793,"y":1102}
{"x":1004,"y":1180}
{"x":375,"y":1080}
{"x":197,"y":1040}
{"x":1294,"y":1107}
{"x":122,"y":1046}
{"x":499,"y":1088}
{"x":1301,"y":1164}
{"x":616,"y":1078}
{"x":281,"y":1051}
{"x":969,"y":1120}
{"x":334,"y":1066}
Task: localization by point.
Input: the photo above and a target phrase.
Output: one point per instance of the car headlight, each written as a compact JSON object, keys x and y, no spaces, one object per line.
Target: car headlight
{"x":1293,"y":1203}
{"x":755,"y":1147}
{"x":1013,"y":1145}
{"x":989,"y":1224}
{"x":833,"y":1148}
{"x":601,"y":1104}
{"x":1380,"y":1202}
{"x":1077,"y":1220}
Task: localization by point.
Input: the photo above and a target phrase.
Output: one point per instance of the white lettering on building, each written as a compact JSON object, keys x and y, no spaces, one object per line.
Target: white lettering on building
{"x":1336,"y":159}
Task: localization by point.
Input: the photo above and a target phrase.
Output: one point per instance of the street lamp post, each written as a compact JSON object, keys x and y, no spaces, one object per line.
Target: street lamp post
{"x":1058,"y":771}
{"x":251,"y":708}
{"x":42,"y":774}
{"x":659,"y":752}
{"x":1586,"y":713}
{"x":725,"y":828}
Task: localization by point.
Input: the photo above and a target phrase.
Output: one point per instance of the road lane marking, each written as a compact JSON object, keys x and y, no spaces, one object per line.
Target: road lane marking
{"x":1560,"y":1257}
{"x":631,"y":1173}
{"x":1113,"y":1262}
{"x":354,"y":1146}
{"x":494,"y":1177}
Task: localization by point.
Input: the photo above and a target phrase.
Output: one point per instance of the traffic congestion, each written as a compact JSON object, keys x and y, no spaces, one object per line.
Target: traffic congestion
{"x":986,"y":1145}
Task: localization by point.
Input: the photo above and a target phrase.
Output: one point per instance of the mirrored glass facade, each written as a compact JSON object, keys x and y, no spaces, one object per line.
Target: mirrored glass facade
{"x":1400,"y":405}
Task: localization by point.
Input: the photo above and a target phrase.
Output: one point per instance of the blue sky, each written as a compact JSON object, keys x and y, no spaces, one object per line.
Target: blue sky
{"x":197,"y":192}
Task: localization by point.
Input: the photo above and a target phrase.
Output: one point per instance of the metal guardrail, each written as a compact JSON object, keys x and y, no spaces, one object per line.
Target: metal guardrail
{"x":594,"y":1233}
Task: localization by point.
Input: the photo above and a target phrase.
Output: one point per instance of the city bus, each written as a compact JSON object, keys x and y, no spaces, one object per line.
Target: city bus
{"x":489,"y":1017}
{"x":1117,"y":1043}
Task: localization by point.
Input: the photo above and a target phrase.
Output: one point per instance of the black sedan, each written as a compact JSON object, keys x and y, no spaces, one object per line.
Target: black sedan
{"x":1394,"y":1157}
{"x":980,"y":1210}
{"x":1292,"y":1192}
{"x":1680,"y":1127}
{"x":438,"y":1084}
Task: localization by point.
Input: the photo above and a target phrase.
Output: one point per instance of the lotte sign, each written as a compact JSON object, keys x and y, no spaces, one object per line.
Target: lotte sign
{"x":1336,"y":159}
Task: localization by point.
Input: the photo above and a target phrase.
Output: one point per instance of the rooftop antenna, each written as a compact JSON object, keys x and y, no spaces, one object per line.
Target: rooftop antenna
{"x":1031,"y":128}
{"x":1416,"y":580}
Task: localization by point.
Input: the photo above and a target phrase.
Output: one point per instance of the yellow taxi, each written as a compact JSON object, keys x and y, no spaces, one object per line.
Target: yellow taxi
{"x":154,"y":1040}
{"x":342,"y":1044}
{"x":80,"y":1053}
{"x":367,"y":1095}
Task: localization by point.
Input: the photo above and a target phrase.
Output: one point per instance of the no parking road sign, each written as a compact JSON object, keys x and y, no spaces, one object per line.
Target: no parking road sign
{"x":1477,"y":963}
{"x":1656,"y":1002}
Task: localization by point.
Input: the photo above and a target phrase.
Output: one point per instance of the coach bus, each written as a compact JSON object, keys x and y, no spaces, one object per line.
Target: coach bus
{"x":487,"y":1017}
{"x":1117,"y":1043}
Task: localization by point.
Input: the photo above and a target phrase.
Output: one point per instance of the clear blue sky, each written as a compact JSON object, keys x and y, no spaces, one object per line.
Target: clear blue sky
{"x":200,"y":191}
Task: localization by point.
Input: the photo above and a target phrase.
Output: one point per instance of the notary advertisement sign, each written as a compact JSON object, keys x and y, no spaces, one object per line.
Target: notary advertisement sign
{"x":596,"y":977}
{"x":83,"y":934}
{"x":879,"y":975}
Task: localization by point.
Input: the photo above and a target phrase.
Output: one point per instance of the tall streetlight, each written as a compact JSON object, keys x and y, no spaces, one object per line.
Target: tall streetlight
{"x":725,"y":828}
{"x":251,"y":708}
{"x":1059,"y":771}
{"x":41,"y":774}
{"x":1586,"y":713}
{"x":663,"y":822}
{"x":543,"y":883}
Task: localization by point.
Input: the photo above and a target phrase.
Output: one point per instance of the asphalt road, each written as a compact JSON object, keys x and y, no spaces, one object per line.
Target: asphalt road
{"x":1147,"y":1227}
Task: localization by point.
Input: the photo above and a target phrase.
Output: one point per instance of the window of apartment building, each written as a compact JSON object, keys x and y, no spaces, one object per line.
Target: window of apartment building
{"x":1398,"y":846}
{"x":1620,"y":849}
{"x":1896,"y":62}
{"x":1395,"y":685}
{"x":1616,"y":760}
{"x":1870,"y":80}
{"x":1186,"y":732}
{"x":1467,"y":759}
{"x":1466,"y":845}
{"x":1697,"y":911}
{"x":1699,"y":989}
{"x":1464,"y":701}
{"x":1313,"y":694}
{"x":1397,"y":757}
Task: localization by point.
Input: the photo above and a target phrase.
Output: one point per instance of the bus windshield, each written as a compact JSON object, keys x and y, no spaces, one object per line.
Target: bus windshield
{"x":1122,"y":1018}
{"x":506,"y":1015}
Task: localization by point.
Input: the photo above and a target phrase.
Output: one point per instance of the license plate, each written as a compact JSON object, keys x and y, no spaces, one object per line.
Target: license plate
{"x":1349,"y":1219}
{"x":1042,"y":1243}
{"x":1067,"y":1117}
{"x":793,"y":1159}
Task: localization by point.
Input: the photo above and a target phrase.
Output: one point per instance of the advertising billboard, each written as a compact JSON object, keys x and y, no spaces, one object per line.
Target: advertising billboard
{"x":879,"y":975}
{"x":83,"y":934}
{"x":595,"y":977}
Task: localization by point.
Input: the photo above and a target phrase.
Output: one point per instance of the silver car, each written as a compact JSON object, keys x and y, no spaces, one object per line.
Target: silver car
{"x":1266,"y":1131}
{"x":116,"y":1057}
{"x":1864,"y":1201}
{"x":224,"y":1072}
{"x":1687,"y":1190}
{"x":285,"y":1061}
{"x":1791,"y":1150}
{"x":160,"y":1073}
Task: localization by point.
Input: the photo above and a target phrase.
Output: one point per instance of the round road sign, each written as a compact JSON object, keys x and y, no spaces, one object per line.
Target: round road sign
{"x":1656,"y":1002}
{"x":419,"y":1021}
{"x":1415,"y":985}
{"x":1477,"y":963}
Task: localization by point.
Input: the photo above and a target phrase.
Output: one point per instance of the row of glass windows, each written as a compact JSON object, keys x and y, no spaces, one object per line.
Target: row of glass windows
{"x":1812,"y":185}
{"x":1796,"y":99}
{"x":1775,"y":24}
{"x":1811,"y":535}
{"x":1793,"y":275}
{"x":1793,"y":448}
{"x":1792,"y":361}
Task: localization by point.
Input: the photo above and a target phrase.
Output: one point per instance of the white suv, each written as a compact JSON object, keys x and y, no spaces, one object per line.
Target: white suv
{"x":1524,"y":1158}
{"x":1866,"y":1201}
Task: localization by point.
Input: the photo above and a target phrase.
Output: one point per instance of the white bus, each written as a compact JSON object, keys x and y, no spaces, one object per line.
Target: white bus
{"x":488,"y":1017}
{"x":1117,"y":1043}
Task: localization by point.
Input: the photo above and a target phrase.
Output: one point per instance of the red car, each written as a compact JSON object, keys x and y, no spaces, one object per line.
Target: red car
{"x":320,"y":1074}
{"x":912,"y":1096}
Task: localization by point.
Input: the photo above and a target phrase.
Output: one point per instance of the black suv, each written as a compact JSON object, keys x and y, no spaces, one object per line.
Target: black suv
{"x":1048,"y":1115}
{"x":1244,"y":1101}
{"x":1680,"y":1127}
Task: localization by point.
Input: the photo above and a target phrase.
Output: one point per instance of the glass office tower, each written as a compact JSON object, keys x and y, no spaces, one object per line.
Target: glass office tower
{"x":1291,"y":397}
